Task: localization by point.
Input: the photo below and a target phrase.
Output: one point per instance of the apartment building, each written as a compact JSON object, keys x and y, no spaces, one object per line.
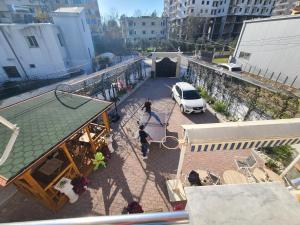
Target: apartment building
{"x":212,"y":19}
{"x":284,"y":7}
{"x":91,"y":7}
{"x":148,"y":28}
{"x":28,"y":11}
{"x":45,"y":50}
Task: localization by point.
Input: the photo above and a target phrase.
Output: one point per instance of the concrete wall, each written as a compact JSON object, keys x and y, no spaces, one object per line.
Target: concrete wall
{"x":77,"y":37}
{"x":274,"y":47}
{"x":49,"y":58}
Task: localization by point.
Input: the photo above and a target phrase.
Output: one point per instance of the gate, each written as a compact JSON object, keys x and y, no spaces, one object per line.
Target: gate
{"x":166,"y":68}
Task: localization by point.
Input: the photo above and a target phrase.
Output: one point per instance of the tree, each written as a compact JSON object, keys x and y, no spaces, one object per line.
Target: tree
{"x":154,"y":14}
{"x":137,"y":13}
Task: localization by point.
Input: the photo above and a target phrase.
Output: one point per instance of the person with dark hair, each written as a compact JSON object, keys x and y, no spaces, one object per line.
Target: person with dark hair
{"x":147,"y":107}
{"x":144,"y":142}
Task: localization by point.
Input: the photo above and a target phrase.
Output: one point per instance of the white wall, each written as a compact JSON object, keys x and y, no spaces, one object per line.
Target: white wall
{"x":274,"y":45}
{"x":49,"y":57}
{"x":77,"y":37}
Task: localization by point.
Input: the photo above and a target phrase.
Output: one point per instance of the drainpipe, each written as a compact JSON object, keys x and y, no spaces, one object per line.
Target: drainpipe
{"x":11,"y":48}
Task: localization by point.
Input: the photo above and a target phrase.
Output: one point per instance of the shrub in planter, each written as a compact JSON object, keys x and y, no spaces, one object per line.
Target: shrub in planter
{"x":272,"y":165}
{"x":221,"y":107}
{"x":283,"y":154}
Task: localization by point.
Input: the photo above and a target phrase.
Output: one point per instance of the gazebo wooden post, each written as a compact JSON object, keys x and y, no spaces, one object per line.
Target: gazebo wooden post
{"x":106,"y":121}
{"x":35,"y":188}
{"x":87,"y":130}
{"x":67,"y":153}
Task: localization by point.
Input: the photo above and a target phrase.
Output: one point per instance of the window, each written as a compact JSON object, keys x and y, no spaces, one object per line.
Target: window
{"x":201,"y":10}
{"x":152,"y":23}
{"x":131,"y":32}
{"x":143,"y":23}
{"x":144,"y":32}
{"x":179,"y":91}
{"x":31,"y":65}
{"x":203,"y":2}
{"x":206,"y":10}
{"x":11,"y":71}
{"x":219,"y":10}
{"x":32,"y":42}
{"x":192,"y":10}
{"x":60,"y":40}
{"x":152,"y":32}
{"x":240,"y":9}
{"x":221,"y":3}
{"x":207,"y":3}
{"x":77,"y":1}
{"x":244,"y":55}
{"x":191,"y":95}
{"x":130,"y":23}
{"x":193,"y":1}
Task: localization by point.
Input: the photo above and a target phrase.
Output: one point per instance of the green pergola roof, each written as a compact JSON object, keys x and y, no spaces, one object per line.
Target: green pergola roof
{"x":44,"y":121}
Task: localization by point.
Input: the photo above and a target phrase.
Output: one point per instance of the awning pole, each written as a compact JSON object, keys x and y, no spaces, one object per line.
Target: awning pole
{"x":290,"y":166}
{"x":181,"y":159}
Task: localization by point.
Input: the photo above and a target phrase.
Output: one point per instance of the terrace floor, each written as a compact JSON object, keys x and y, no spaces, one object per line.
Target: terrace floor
{"x":128,"y":177}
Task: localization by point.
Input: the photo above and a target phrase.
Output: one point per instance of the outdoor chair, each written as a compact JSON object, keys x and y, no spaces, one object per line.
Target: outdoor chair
{"x":246,"y":163}
{"x":215,"y":179}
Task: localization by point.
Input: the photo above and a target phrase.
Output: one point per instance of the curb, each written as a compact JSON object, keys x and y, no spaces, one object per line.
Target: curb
{"x":220,"y":117}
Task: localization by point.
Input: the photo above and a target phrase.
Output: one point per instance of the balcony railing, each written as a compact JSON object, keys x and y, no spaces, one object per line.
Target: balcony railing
{"x":179,"y":217}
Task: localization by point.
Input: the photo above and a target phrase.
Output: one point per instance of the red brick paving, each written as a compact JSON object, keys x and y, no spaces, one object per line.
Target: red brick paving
{"x":128,"y":177}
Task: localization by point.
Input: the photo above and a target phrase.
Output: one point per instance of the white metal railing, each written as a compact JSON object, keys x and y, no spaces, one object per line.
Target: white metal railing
{"x":178,"y":217}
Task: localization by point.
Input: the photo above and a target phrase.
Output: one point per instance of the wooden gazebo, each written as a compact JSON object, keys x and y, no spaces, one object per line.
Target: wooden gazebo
{"x":59,"y":136}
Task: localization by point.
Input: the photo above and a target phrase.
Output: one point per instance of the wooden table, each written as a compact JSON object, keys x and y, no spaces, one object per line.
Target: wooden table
{"x":234,"y":177}
{"x":85,"y":137}
{"x":50,"y":166}
{"x":260,"y":175}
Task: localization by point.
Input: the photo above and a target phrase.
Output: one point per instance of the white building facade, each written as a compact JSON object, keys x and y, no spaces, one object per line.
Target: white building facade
{"x":274,"y":51}
{"x":213,"y":19}
{"x":29,"y":11}
{"x":44,"y":50}
{"x":148,"y":28}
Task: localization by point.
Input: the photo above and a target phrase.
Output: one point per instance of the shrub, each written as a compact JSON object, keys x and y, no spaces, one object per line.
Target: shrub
{"x":203,"y":93}
{"x":272,"y":165}
{"x":221,"y":107}
{"x":283,"y":154}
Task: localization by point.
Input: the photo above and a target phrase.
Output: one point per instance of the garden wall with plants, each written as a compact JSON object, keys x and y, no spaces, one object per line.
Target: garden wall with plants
{"x":238,"y":99}
{"x":124,"y":79}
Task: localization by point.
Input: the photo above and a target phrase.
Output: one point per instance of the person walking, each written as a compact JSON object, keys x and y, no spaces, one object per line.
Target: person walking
{"x":144,"y":142}
{"x":147,"y":107}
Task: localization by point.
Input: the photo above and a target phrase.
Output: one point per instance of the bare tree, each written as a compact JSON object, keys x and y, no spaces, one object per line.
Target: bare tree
{"x":137,"y":13}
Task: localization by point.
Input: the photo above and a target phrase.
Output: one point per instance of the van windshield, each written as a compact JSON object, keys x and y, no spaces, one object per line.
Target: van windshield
{"x":236,"y":69}
{"x":192,"y":94}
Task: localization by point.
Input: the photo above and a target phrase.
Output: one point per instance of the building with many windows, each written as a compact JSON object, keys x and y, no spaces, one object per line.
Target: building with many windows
{"x":143,"y":28}
{"x":29,"y":11}
{"x":212,"y":19}
{"x":45,"y":50}
{"x":284,"y":7}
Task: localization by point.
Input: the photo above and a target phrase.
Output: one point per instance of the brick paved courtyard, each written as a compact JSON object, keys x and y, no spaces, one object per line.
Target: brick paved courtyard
{"x":127,"y":176}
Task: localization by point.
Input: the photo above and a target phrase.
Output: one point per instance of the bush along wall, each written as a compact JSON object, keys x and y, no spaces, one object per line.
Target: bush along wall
{"x":238,"y":99}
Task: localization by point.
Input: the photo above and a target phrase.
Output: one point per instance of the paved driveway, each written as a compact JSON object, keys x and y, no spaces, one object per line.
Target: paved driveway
{"x":127,"y":177}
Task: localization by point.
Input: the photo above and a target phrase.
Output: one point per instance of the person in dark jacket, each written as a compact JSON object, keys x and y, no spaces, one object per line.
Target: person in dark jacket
{"x":147,"y":107}
{"x":144,"y":142}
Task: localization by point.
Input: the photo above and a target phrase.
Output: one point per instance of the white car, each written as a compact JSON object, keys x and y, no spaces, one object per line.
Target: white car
{"x":230,"y":67}
{"x":188,"y":98}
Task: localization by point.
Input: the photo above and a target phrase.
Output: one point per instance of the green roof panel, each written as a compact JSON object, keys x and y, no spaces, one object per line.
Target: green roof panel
{"x":44,"y":121}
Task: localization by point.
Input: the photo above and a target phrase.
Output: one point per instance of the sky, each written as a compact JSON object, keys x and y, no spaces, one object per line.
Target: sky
{"x":128,"y":7}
